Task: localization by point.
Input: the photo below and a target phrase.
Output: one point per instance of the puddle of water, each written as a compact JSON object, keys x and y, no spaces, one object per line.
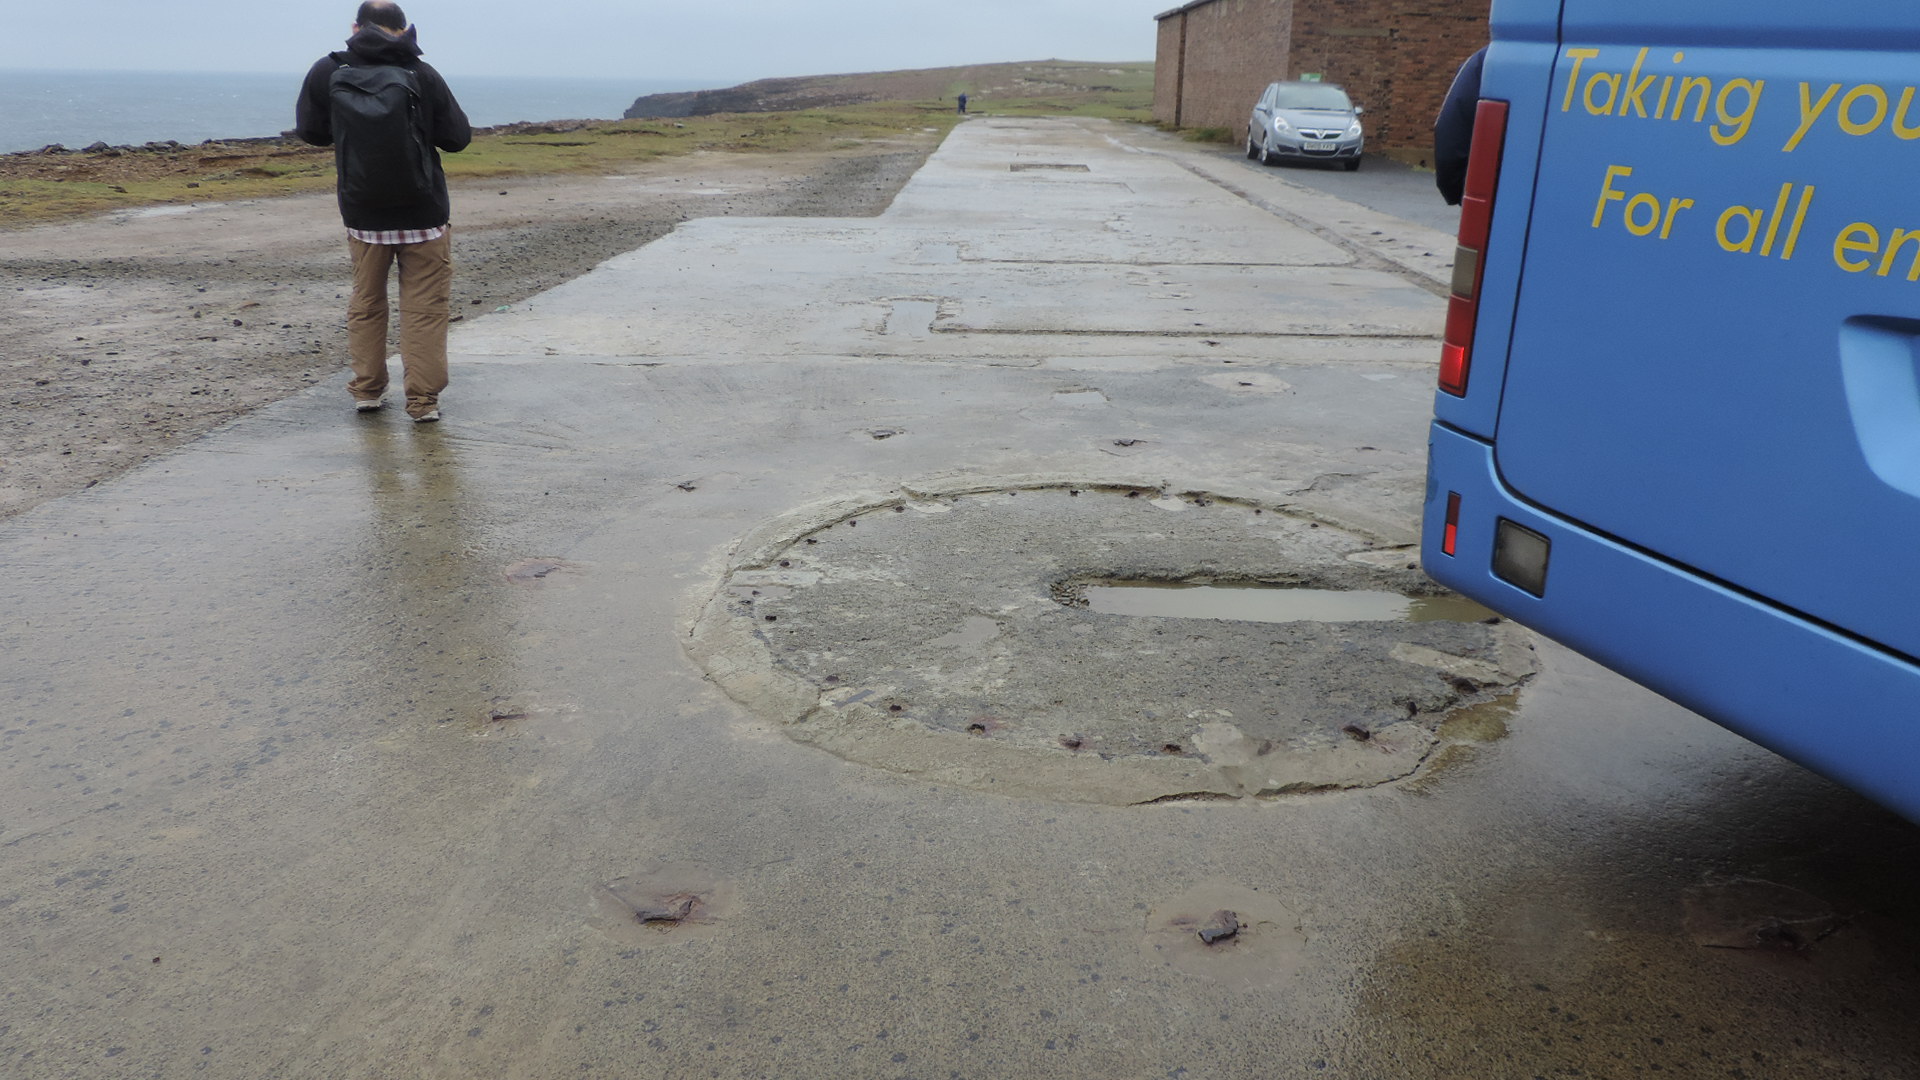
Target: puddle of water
{"x":1489,"y":721}
{"x":157,"y":211}
{"x":1276,"y":604}
{"x":1267,"y":948}
{"x":674,"y":903}
{"x":977,"y":631}
{"x":912,"y":318}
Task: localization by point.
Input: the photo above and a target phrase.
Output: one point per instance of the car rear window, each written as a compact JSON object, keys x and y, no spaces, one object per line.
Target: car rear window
{"x":1311,"y":97}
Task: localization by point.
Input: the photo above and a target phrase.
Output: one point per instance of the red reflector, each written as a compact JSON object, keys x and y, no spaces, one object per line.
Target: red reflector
{"x":1476,"y":223}
{"x":1453,"y":369}
{"x":1450,"y":539}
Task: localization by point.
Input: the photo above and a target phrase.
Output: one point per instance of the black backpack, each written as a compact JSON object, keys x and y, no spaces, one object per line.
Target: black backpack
{"x":381,"y":149}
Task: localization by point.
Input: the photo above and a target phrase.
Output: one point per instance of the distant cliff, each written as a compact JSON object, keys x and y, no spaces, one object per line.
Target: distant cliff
{"x":982,"y":81}
{"x":765,"y":95}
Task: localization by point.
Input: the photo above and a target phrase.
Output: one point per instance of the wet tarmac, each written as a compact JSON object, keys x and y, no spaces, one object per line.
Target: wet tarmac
{"x":333,"y":746}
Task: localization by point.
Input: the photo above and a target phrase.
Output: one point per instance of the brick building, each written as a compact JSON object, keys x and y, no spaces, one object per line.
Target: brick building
{"x":1395,"y":57}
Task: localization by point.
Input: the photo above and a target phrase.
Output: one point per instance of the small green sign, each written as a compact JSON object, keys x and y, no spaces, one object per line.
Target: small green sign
{"x":1310,"y":76}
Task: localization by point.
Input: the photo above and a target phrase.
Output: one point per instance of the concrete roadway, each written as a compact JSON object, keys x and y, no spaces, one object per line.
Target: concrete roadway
{"x":1380,"y":184}
{"x":333,"y":746}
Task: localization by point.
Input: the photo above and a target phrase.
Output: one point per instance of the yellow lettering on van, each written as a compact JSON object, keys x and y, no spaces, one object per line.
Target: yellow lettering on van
{"x":1607,"y":193}
{"x":1674,"y":206}
{"x":1901,"y":236}
{"x":1872,"y":93}
{"x":1741,"y":122}
{"x":1608,"y":79}
{"x":1901,"y":129}
{"x":1651,"y":204}
{"x":1579,"y":57}
{"x":1742,"y":213}
{"x":1810,"y":111}
{"x":1799,"y":220}
{"x":1687,"y":86}
{"x":1636,"y":95}
{"x":1868,"y":243}
{"x":1779,"y":215}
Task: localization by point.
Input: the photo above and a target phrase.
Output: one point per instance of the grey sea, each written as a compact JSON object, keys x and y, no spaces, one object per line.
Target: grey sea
{"x":77,"y":108}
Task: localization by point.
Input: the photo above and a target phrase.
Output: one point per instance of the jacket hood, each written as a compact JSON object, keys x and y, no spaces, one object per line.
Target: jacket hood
{"x":376,"y":46}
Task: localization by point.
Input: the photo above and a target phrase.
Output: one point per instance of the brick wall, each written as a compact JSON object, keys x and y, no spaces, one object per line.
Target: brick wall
{"x":1430,"y":47}
{"x":1168,"y":70}
{"x":1395,"y":57}
{"x":1234,"y":49}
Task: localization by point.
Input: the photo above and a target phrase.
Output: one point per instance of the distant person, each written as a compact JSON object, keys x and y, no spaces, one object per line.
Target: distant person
{"x":963,"y":104}
{"x":384,"y":110}
{"x":1453,"y":130}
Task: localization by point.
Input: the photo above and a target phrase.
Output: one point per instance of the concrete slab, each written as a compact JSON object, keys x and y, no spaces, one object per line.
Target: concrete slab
{"x":999,"y":238}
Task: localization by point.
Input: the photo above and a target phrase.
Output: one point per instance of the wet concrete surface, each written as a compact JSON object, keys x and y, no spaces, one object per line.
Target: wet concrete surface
{"x":333,"y":746}
{"x":1382,"y":184}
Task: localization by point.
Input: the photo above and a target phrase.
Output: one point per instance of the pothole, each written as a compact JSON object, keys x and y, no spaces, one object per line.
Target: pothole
{"x":1083,"y":643}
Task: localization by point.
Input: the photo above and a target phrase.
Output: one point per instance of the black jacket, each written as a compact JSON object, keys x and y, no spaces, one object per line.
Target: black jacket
{"x":1453,"y":131}
{"x":446,"y":123}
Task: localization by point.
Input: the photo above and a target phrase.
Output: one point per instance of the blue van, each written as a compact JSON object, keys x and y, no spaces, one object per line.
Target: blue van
{"x":1678,"y":426}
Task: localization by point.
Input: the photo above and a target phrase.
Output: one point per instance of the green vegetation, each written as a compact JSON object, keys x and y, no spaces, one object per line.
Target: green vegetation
{"x":614,"y":145}
{"x":1210,"y":134}
{"x":1109,"y":92}
{"x":36,"y":188}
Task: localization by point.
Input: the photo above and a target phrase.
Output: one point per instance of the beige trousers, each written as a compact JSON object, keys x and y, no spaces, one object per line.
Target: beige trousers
{"x":426,"y":281}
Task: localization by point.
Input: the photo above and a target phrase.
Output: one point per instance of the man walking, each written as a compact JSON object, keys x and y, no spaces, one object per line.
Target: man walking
{"x":384,"y":111}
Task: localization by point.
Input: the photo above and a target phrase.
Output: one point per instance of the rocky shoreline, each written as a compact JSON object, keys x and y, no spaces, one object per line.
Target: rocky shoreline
{"x":284,"y":140}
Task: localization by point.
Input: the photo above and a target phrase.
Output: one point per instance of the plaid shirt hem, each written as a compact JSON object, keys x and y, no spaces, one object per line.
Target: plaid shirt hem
{"x":397,"y":236}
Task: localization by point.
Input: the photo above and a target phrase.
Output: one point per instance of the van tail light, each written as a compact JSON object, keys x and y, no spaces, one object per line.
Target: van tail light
{"x":1469,"y":262}
{"x":1450,"y":538}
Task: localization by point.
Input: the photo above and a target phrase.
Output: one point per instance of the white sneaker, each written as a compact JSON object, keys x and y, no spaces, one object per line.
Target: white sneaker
{"x":369,"y":404}
{"x":428,"y":417}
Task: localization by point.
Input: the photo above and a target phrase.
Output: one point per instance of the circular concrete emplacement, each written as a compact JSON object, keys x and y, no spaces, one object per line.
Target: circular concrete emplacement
{"x":947,"y":635}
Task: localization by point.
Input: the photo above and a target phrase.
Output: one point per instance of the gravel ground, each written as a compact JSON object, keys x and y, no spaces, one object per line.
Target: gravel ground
{"x":133,"y":333}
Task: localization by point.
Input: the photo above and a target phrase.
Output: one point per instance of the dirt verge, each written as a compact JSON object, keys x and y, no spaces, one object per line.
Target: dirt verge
{"x":133,"y":333}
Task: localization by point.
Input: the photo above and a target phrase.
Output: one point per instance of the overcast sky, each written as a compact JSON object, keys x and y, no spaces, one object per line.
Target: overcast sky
{"x":706,"y":40}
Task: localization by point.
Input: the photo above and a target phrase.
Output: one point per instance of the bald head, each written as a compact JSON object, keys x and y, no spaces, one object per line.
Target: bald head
{"x":382,"y":13}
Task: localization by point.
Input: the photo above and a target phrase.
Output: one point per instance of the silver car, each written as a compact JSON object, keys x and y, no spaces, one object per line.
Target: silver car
{"x":1306,"y":121}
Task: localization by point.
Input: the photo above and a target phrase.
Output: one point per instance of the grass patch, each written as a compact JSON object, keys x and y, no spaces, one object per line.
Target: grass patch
{"x":1210,"y":135}
{"x":37,"y":188}
{"x":1108,"y":92}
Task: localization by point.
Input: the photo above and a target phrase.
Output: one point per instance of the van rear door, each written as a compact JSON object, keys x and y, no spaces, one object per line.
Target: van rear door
{"x":1716,"y":350}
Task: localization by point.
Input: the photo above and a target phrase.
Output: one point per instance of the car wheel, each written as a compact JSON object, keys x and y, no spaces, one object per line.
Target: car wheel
{"x":1266,"y":152}
{"x":1252,"y":151}
{"x":1353,"y":164}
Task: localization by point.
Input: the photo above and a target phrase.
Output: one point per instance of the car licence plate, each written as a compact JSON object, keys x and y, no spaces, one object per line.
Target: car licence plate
{"x":1317,"y":145}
